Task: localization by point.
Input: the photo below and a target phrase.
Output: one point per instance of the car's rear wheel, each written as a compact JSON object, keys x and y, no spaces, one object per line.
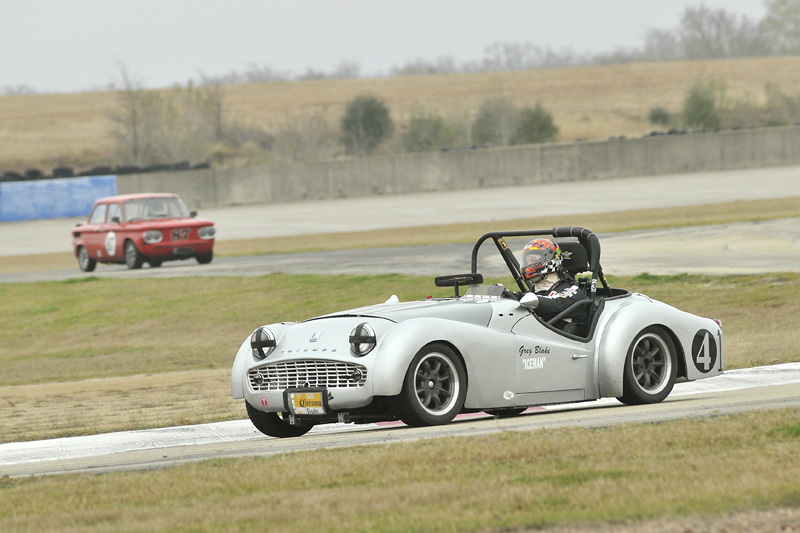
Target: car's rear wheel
{"x":85,"y":262}
{"x":206,"y":258}
{"x":506,"y":413}
{"x":272,"y":425}
{"x":651,"y":367}
{"x":133,"y":257}
{"x":434,"y":388}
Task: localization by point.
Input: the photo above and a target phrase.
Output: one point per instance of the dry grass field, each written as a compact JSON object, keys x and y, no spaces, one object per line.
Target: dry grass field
{"x":44,"y":130}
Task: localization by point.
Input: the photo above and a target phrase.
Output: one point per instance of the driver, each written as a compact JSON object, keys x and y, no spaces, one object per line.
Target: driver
{"x":553,"y":288}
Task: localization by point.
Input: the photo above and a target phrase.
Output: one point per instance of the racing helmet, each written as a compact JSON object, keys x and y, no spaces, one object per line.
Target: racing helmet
{"x":539,"y":258}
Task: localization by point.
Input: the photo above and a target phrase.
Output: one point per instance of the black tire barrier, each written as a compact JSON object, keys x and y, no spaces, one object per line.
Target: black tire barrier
{"x":63,"y":172}
{"x":12,"y":176}
{"x":102,"y":171}
{"x":128,"y":169}
{"x":69,"y":172}
{"x":33,"y":174}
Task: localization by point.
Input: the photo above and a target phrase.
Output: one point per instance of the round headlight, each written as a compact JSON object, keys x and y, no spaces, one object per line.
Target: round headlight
{"x":262,"y":342}
{"x":362,"y":339}
{"x":206,"y":232}
{"x":153,"y":236}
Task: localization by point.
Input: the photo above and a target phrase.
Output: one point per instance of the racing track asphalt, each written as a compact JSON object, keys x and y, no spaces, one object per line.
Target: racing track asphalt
{"x":717,"y":249}
{"x":736,"y":391}
{"x":448,"y":207}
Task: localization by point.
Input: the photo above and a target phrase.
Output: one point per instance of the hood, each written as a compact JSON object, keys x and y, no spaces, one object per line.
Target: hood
{"x":469,"y":311}
{"x":162,"y":223}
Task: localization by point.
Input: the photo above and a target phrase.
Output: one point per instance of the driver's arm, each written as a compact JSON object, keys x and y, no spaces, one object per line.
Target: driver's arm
{"x":548,"y":306}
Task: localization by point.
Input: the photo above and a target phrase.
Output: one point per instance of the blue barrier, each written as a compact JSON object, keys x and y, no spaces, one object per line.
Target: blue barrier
{"x":56,"y":198}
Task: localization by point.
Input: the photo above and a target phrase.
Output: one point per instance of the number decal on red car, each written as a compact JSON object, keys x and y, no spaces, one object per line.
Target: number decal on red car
{"x":180,"y":234}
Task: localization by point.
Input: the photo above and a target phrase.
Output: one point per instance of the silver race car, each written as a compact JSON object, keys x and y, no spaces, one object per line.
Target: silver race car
{"x":483,"y":349}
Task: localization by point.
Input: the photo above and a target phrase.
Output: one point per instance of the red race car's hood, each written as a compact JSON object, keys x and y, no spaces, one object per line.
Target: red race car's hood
{"x":166,"y":223}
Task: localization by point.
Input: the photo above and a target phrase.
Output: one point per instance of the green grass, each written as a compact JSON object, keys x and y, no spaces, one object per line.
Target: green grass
{"x":159,"y":351}
{"x":62,"y":331}
{"x":508,"y":481}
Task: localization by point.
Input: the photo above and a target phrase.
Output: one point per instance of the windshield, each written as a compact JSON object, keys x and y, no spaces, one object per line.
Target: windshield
{"x":152,"y":208}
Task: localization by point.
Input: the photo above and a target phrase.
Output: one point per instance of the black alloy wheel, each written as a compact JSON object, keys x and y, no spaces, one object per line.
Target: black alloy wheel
{"x":651,"y":367}
{"x":434,"y":388}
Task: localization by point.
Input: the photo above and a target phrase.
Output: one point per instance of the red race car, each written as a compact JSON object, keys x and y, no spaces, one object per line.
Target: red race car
{"x":135,"y":228}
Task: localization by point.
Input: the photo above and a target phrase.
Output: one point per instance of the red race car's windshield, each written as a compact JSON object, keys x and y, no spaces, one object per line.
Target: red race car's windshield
{"x":154,"y":208}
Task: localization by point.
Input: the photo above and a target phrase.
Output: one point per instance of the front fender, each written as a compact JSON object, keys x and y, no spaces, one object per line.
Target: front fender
{"x":486,"y":353}
{"x":237,"y":372}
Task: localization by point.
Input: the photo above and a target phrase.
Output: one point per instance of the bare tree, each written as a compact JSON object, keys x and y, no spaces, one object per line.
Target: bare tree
{"x":496,"y":122}
{"x":129,"y":121}
{"x":215,"y":93}
{"x":662,"y":45}
{"x":17,"y":90}
{"x":706,"y":33}
{"x":781,"y":26}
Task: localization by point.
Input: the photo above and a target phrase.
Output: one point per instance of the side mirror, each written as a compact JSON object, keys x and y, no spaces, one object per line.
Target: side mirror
{"x":193,"y":214}
{"x":529,"y":301}
{"x":115,"y":220}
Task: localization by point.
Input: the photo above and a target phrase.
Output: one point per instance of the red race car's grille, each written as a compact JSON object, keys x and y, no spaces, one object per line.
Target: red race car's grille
{"x":306,"y":374}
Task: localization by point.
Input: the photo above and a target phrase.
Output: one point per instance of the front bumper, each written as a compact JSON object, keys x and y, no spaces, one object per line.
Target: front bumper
{"x":184,"y":250}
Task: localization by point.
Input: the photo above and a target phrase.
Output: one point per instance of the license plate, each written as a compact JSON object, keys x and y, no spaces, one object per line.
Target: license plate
{"x":306,"y":403}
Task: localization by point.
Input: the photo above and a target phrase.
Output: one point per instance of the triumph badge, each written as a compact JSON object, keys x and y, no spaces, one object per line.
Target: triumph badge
{"x":315,"y":336}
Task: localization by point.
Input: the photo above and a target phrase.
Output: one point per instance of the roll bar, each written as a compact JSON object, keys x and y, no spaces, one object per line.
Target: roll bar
{"x":585,"y":236}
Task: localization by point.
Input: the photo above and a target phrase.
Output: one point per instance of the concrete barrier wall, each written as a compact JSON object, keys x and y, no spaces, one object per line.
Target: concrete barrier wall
{"x":468,"y":169}
{"x":54,"y":198}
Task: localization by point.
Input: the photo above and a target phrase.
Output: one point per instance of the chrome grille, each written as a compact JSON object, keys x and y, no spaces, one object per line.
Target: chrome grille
{"x":308,"y":373}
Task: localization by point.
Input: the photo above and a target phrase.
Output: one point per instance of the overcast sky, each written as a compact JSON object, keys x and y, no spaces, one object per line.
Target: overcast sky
{"x":74,"y":45}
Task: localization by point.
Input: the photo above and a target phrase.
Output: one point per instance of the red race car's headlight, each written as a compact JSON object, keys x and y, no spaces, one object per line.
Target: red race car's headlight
{"x":153,"y":236}
{"x":206,"y":232}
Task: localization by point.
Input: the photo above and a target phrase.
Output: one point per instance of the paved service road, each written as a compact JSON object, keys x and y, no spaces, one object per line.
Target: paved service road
{"x":736,"y":391}
{"x":447,"y":207}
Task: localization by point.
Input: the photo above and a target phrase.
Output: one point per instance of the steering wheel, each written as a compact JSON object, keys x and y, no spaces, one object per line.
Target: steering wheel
{"x":509,"y":294}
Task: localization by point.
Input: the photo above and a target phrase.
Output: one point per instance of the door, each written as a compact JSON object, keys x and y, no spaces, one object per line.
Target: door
{"x":550,"y":367}
{"x":113,"y":240}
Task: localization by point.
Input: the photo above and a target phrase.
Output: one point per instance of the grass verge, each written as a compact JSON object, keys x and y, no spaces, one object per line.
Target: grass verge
{"x":512,"y":480}
{"x":104,"y":354}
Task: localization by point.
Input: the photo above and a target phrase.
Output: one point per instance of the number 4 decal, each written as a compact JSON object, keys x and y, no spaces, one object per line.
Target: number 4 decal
{"x":704,"y":351}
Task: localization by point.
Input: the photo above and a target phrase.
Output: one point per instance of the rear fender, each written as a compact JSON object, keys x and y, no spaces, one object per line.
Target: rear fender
{"x":622,"y":328}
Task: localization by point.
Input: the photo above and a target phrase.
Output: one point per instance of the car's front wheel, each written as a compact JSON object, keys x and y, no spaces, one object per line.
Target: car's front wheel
{"x":205,"y":258}
{"x":85,"y":262}
{"x":434,"y":388}
{"x":651,"y":367}
{"x":133,"y":257}
{"x":272,"y":425}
